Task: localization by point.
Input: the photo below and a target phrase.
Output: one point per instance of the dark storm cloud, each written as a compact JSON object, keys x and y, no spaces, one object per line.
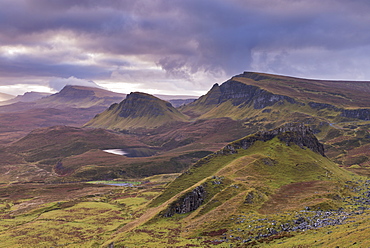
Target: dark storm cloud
{"x":187,"y":37}
{"x":33,"y":66}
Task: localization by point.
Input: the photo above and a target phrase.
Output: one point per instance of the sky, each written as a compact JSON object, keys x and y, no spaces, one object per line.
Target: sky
{"x":178,"y":47}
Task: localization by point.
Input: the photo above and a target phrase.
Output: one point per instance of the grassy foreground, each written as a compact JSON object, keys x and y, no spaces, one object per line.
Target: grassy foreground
{"x":85,"y":215}
{"x":270,"y":195}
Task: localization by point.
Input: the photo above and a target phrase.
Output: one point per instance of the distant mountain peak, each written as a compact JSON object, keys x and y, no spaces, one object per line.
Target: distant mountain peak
{"x":81,"y":97}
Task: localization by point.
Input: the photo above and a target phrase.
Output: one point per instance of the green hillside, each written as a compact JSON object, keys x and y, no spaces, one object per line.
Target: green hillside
{"x":138,"y":110}
{"x":269,"y":178}
{"x":337,"y":111}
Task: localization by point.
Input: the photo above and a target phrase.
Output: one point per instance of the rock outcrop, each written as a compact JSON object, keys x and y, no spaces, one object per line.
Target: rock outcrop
{"x":292,"y":133}
{"x":362,"y":114}
{"x":319,"y":106}
{"x":187,"y":203}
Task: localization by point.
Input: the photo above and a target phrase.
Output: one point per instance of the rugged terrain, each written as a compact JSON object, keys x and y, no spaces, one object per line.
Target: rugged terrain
{"x":273,"y":189}
{"x":260,"y":160}
{"x":170,"y":137}
{"x":262,"y":189}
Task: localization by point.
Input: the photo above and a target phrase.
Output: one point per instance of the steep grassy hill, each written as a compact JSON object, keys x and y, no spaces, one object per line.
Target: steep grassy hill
{"x":138,"y":110}
{"x":259,"y":181}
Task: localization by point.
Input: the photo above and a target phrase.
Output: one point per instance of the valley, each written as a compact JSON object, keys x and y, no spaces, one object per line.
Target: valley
{"x":260,"y":160}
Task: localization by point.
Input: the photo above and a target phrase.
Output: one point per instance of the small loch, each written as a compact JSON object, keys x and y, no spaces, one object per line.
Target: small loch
{"x":116,"y":151}
{"x":133,"y":152}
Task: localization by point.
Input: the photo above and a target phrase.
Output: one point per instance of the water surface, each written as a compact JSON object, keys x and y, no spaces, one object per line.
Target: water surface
{"x":116,"y":151}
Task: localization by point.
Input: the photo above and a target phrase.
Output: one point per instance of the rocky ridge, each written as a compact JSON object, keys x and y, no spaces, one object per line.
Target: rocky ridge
{"x":361,"y":114}
{"x":291,"y":133}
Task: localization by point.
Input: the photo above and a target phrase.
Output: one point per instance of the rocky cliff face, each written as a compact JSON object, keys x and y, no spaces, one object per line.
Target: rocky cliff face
{"x":240,"y":93}
{"x":292,"y":133}
{"x":361,"y":114}
{"x":187,"y":203}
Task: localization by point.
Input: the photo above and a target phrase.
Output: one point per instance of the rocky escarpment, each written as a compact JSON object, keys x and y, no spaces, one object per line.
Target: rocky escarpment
{"x":242,"y":94}
{"x":362,"y":114}
{"x":292,"y":133}
{"x":187,"y":203}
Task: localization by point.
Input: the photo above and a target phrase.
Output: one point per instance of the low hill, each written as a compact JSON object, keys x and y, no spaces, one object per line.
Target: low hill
{"x":138,"y":110}
{"x":169,"y":149}
{"x":54,"y":143}
{"x":16,"y":125}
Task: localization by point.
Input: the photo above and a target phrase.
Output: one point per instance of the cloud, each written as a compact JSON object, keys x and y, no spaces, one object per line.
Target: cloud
{"x":186,"y":44}
{"x":59,"y":83}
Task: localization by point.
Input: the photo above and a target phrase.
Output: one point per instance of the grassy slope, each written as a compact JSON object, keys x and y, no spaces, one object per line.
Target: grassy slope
{"x":268,"y":170}
{"x":67,"y":215}
{"x":328,"y":123}
{"x":250,"y":165}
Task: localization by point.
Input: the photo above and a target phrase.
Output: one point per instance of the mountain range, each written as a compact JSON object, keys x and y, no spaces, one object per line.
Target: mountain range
{"x":243,"y":105}
{"x":256,"y":161}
